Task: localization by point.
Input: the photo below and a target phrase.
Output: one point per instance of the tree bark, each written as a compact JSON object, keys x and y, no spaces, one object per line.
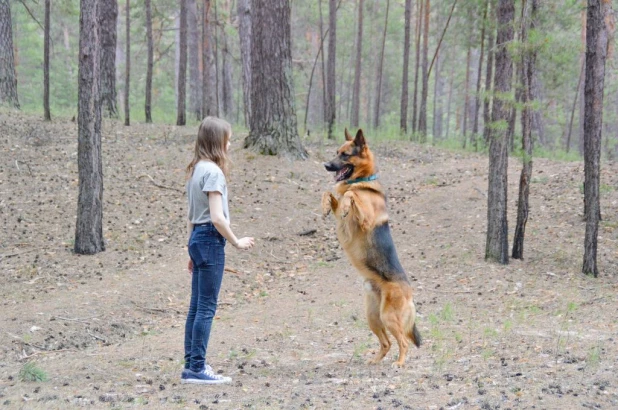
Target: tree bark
{"x":354,"y":120}
{"x":422,"y":116}
{"x":193,"y":55}
{"x":150,"y":62}
{"x":437,"y":100}
{"x":181,"y":118}
{"x":8,"y":79}
{"x":209,"y":74}
{"x":477,"y":97}
{"x":489,"y":76}
{"x":89,"y":223}
{"x":496,"y":248}
{"x":419,"y":27}
{"x":244,"y":34}
{"x":464,"y":127}
{"x":529,"y":67}
{"x":378,"y":95}
{"x":403,"y":116}
{"x":273,"y":129}
{"x":226,"y":74}
{"x":596,"y":54}
{"x":46,"y":41}
{"x":127,"y":71}
{"x":330,"y":67}
{"x":109,"y":15}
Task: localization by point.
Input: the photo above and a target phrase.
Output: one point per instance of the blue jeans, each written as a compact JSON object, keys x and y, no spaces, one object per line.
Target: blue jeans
{"x":206,"y":249}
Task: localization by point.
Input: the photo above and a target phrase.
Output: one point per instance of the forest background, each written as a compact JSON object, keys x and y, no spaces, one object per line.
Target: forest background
{"x":452,"y":83}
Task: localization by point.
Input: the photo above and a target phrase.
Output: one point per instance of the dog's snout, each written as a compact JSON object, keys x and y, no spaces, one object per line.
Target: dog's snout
{"x":329,"y":166}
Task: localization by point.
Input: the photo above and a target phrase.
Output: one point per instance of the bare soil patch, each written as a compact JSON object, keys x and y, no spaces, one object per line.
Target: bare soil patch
{"x":107,"y":329}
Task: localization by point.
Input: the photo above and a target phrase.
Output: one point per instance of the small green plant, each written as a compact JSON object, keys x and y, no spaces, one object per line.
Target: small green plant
{"x":594,"y":357}
{"x":30,"y":372}
{"x":447,"y":313}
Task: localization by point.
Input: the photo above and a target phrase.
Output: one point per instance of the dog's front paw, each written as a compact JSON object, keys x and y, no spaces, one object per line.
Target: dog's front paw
{"x":327,"y":203}
{"x":345,"y":206}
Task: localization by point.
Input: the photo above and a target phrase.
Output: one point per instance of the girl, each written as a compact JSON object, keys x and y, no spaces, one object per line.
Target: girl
{"x":208,"y":228}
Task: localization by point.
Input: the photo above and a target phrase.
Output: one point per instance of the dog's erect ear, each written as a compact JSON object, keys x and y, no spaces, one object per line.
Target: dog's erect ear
{"x":348,"y":137}
{"x":359,"y":141}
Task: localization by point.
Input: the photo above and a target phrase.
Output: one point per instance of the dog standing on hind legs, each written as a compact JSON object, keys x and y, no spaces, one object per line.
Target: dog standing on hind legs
{"x":364,"y":234}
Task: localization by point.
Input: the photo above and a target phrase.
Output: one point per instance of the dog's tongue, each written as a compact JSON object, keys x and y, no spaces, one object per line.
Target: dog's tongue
{"x":339,"y":175}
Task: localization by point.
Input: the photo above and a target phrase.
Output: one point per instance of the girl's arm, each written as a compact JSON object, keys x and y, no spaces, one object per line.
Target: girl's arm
{"x":215,"y":202}
{"x":189,"y":230}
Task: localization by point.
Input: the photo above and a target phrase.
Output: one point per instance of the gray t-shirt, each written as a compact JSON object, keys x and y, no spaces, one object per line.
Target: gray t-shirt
{"x":207,"y":177}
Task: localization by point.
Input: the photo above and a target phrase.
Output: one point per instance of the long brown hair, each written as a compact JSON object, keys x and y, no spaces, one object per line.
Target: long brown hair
{"x":211,"y":144}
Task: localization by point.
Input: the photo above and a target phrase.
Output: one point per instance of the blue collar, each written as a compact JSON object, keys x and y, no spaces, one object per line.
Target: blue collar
{"x":365,"y":179}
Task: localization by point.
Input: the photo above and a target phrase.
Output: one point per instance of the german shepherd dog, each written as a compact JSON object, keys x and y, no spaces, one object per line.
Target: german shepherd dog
{"x":364,"y":234}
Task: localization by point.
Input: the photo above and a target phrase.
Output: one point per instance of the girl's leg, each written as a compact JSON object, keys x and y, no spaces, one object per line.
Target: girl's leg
{"x":191,"y":317}
{"x":210,"y":275}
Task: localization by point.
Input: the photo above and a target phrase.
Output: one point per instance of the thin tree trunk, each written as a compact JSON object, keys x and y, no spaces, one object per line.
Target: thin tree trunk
{"x":8,"y":79}
{"x":529,"y":66}
{"x":437,"y":100}
{"x":330,"y":66}
{"x":464,"y":127}
{"x":403,"y":114}
{"x":150,"y":62}
{"x":419,"y":28}
{"x":181,"y":118}
{"x":354,"y":120}
{"x":310,"y":86}
{"x":489,"y":76}
{"x":450,"y":99}
{"x":477,"y":98}
{"x":226,"y":73}
{"x":596,"y":54}
{"x":244,"y":33}
{"x":378,"y":96}
{"x":422,"y":117}
{"x":127,"y":71}
{"x":575,"y":99}
{"x":323,"y":61}
{"x":215,"y":43}
{"x":89,"y":223}
{"x":442,"y":37}
{"x":209,"y":90}
{"x":108,"y":11}
{"x":47,"y":113}
{"x":582,"y":103}
{"x":496,"y":248}
{"x":193,"y":51}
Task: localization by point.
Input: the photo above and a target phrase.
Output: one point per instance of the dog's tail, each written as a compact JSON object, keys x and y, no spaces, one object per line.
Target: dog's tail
{"x":411,"y":329}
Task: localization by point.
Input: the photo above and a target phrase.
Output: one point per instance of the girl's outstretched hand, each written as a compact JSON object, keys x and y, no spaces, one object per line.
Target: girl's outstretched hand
{"x":245,"y":243}
{"x":190,"y":267}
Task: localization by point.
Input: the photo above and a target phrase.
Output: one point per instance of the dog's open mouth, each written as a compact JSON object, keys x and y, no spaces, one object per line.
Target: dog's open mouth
{"x":344,"y":173}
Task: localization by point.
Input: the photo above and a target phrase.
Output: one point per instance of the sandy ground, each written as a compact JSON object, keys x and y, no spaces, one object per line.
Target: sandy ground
{"x":107,"y":329}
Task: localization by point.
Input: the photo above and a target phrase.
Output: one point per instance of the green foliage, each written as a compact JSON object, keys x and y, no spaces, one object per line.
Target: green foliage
{"x":30,"y":372}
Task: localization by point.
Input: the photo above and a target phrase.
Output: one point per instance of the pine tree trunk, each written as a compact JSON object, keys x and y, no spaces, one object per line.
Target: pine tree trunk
{"x":181,"y":118}
{"x":449,"y":101}
{"x":464,"y":126}
{"x":150,"y":62}
{"x":226,"y":74}
{"x":47,"y":113}
{"x":8,"y":79}
{"x":422,"y":116}
{"x":330,"y":67}
{"x":596,"y":54}
{"x":419,"y":27}
{"x":89,"y":223}
{"x":489,"y":77}
{"x":108,"y":11}
{"x":193,"y":55}
{"x":437,"y":99}
{"x":215,"y":51}
{"x":273,"y":129}
{"x":244,"y":33}
{"x":354,"y":120}
{"x":477,"y":97}
{"x":209,"y":84}
{"x":496,"y":248}
{"x":378,"y":95}
{"x":529,"y":67}
{"x":127,"y":72}
{"x":403,"y":115}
